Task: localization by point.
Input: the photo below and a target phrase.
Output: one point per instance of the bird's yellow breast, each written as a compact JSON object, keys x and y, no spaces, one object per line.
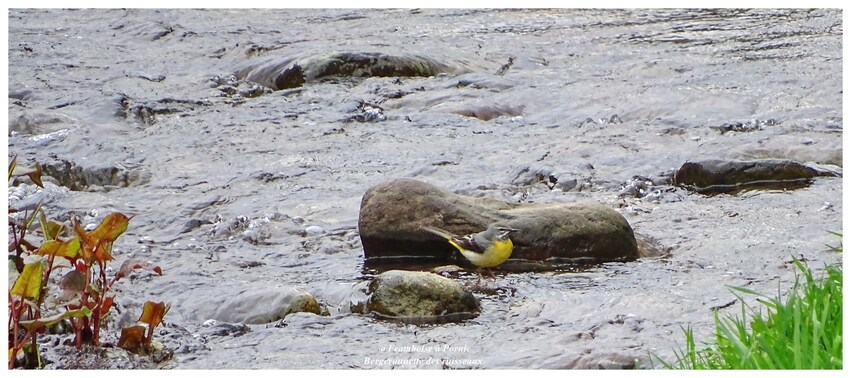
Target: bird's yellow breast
{"x":496,"y":254}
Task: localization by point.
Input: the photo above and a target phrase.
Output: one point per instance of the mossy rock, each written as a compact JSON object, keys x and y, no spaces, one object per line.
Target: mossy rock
{"x":410,"y":295}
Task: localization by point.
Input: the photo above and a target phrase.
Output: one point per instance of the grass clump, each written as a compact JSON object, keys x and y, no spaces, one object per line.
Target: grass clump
{"x":803,"y":332}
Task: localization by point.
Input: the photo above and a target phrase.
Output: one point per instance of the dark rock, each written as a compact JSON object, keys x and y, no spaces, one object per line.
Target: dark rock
{"x":642,"y":186}
{"x":392,"y":212}
{"x":292,"y":72}
{"x":420,"y":296}
{"x":192,"y":224}
{"x":79,"y":178}
{"x":216,"y":328}
{"x":745,"y":126}
{"x":730,"y":176}
{"x":147,"y":111}
{"x":530,"y":175}
{"x":24,"y":93}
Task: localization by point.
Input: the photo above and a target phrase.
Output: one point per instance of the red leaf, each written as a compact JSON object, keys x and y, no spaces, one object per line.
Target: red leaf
{"x":107,"y":304}
{"x":136,"y":263}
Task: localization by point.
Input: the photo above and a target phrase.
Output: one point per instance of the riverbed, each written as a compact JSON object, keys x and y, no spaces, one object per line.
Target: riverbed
{"x":142,"y":111}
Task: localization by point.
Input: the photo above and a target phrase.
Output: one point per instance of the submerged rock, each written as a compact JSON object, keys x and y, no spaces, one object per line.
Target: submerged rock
{"x":63,"y":357}
{"x":266,"y":306}
{"x":420,"y":296}
{"x":214,"y":327}
{"x":392,"y":212}
{"x":487,"y":112}
{"x":292,"y":72}
{"x":729,"y":176}
{"x":96,"y":174}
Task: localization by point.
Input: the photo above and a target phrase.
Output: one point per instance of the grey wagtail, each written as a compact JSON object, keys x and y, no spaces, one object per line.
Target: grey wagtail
{"x":485,"y":249}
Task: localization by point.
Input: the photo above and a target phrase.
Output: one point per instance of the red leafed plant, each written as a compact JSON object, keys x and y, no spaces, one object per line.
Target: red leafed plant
{"x":86,"y":289}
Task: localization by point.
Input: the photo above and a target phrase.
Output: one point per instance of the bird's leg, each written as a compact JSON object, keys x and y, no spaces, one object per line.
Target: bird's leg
{"x":478,"y":281}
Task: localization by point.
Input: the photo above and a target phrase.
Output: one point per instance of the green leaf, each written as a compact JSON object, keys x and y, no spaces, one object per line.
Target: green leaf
{"x":28,"y":284}
{"x":83,"y":312}
{"x":12,"y":165}
{"x":50,"y":229}
{"x":68,"y":249}
{"x":31,"y":218}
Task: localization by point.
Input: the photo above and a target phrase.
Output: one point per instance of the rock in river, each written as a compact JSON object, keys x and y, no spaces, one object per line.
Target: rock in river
{"x":392,"y":212}
{"x":265,"y":306}
{"x":420,"y":295}
{"x":292,"y":72}
{"x":728,"y":176}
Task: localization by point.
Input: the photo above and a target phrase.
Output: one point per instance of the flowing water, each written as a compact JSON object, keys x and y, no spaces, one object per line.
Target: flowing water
{"x":224,"y":185}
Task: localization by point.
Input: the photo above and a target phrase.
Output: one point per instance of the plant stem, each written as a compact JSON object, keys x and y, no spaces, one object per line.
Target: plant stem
{"x":84,"y":300}
{"x":100,"y":302}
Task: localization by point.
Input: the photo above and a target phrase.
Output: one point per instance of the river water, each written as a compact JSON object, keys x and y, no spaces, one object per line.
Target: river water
{"x":222,"y":186}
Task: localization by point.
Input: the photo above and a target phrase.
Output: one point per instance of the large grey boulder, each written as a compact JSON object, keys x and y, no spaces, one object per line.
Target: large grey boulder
{"x":392,"y":212}
{"x":419,"y":295}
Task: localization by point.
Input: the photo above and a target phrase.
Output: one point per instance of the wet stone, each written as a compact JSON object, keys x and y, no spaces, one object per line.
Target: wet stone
{"x":68,"y":357}
{"x":292,"y":72}
{"x":193,"y":224}
{"x":265,"y":306}
{"x":391,"y":214}
{"x":367,"y":112}
{"x":105,"y":175}
{"x":147,"y":111}
{"x":419,"y":296}
{"x":488,"y":112}
{"x":29,"y":196}
{"x":313,"y":230}
{"x":652,"y":188}
{"x":732,"y":176}
{"x":530,"y":175}
{"x":31,"y":123}
{"x":745,"y":126}
{"x":214,"y":327}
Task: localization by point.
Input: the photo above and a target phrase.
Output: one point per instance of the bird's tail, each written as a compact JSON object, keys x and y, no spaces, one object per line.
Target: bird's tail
{"x":436,"y":231}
